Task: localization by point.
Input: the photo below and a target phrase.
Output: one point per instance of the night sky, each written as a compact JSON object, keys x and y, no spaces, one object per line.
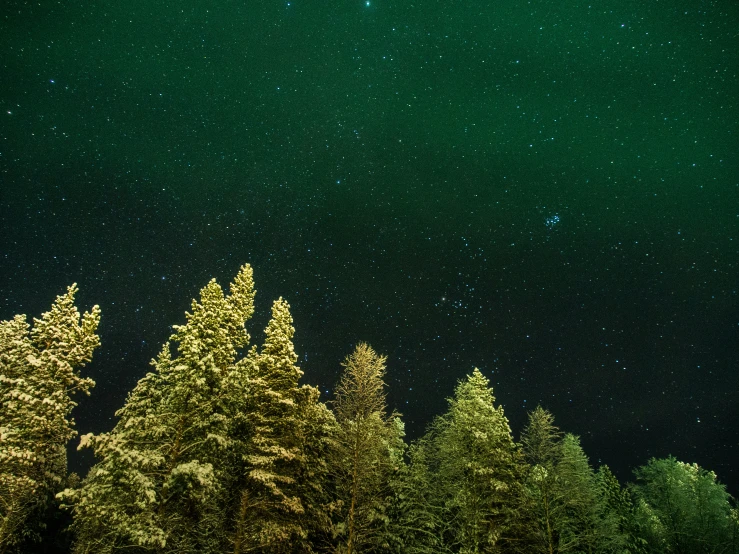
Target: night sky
{"x":546,"y":190}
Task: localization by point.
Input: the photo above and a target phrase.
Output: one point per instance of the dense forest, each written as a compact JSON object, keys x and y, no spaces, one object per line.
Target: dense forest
{"x":221,"y":449}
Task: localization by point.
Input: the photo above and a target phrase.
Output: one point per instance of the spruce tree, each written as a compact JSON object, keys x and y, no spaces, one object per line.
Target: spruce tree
{"x":365,"y":454}
{"x":615,"y":509}
{"x":157,"y":483}
{"x":578,"y":510}
{"x":569,"y":508}
{"x":317,"y":431}
{"x":419,"y":518}
{"x":541,"y":441}
{"x":39,"y":373}
{"x":478,"y":469}
{"x":281,"y":445}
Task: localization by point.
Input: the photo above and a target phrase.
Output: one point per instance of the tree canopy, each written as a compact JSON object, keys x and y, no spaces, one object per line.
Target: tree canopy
{"x":221,"y":448}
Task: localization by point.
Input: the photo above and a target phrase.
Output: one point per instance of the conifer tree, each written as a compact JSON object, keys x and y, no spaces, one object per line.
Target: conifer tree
{"x":615,"y":522}
{"x":366,"y":450}
{"x":318,"y":429}
{"x":479,"y":470}
{"x":681,"y":508}
{"x":39,"y":373}
{"x":577,"y":524}
{"x":419,"y":518}
{"x":157,"y":483}
{"x":541,"y":441}
{"x":570,"y":509}
{"x":278,"y":510}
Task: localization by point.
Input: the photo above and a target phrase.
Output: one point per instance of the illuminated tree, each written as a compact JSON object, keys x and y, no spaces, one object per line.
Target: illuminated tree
{"x":681,"y":509}
{"x":420,"y":521}
{"x":366,"y":451}
{"x":541,"y":441}
{"x":283,"y":446}
{"x":478,"y":470}
{"x":158,"y":479}
{"x":38,"y":376}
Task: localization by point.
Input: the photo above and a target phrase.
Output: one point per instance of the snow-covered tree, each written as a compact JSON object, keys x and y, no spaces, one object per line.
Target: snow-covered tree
{"x":366,"y":450}
{"x":615,"y":522}
{"x":157,"y":484}
{"x":280,"y":472}
{"x":39,"y":373}
{"x":578,"y":493}
{"x":478,"y":468}
{"x":318,"y":429}
{"x":570,"y":509}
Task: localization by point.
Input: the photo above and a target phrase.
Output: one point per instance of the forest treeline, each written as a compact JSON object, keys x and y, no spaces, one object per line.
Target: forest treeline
{"x":220,"y":449}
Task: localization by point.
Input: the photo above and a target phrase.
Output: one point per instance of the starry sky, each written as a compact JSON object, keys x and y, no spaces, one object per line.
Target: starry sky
{"x":548,"y":191}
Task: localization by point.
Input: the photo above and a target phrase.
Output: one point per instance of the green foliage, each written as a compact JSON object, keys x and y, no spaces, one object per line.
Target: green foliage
{"x":157,"y":481}
{"x":38,"y":376}
{"x":681,"y":508}
{"x":477,"y":467}
{"x":541,"y":439}
{"x":283,"y":447}
{"x":578,"y":508}
{"x":541,"y":442}
{"x":214,"y":452}
{"x":418,"y":510}
{"x":367,"y":452}
{"x":615,"y":510}
{"x":571,"y":509}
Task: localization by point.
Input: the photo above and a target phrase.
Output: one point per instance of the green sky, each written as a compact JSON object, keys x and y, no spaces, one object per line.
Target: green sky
{"x":545,"y":190}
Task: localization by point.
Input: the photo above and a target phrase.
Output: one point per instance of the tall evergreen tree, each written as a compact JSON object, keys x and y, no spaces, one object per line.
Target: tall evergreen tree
{"x":570,"y":509}
{"x":615,"y":527}
{"x":420,"y":521}
{"x":479,"y":469}
{"x":157,"y":481}
{"x":541,"y":441}
{"x":364,"y":458}
{"x":281,"y":502}
{"x":318,"y":429}
{"x":577,"y":526}
{"x":39,"y":373}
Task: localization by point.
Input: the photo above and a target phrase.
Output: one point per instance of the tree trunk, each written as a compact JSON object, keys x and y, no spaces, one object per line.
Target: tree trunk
{"x":240,"y":522}
{"x":355,"y":491}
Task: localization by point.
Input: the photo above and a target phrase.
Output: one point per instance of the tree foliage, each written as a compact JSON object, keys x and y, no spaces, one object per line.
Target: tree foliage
{"x":284,"y":446}
{"x":571,"y":508}
{"x":681,"y":509}
{"x":541,"y":442}
{"x":221,"y":449}
{"x":39,"y":373}
{"x":477,"y":468}
{"x":365,"y":452}
{"x":156,"y":484}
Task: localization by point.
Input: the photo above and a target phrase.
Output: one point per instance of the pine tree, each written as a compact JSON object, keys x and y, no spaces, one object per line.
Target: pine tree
{"x":567,"y":505}
{"x":419,"y":517}
{"x":478,"y":469}
{"x":578,"y":508}
{"x":318,"y":428}
{"x":541,"y":441}
{"x":157,"y":483}
{"x":365,"y":455}
{"x":38,"y":376}
{"x":614,"y":515}
{"x":272,"y":514}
